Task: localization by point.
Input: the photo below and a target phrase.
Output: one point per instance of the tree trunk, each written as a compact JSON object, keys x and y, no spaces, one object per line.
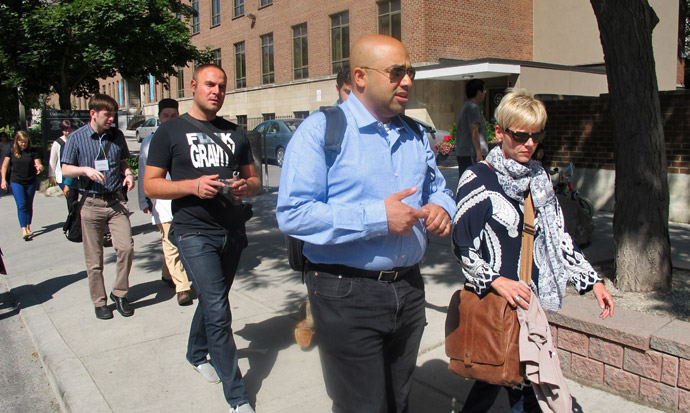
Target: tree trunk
{"x":640,"y":224}
{"x":64,"y":100}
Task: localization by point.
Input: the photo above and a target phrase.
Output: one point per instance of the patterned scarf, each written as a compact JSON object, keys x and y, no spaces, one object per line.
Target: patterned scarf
{"x":515,"y":178}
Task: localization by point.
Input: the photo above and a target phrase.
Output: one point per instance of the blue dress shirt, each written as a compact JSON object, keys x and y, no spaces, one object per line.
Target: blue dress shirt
{"x":339,"y":211}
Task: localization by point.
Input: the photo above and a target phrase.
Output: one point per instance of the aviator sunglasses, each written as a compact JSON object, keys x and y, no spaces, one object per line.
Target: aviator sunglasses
{"x":523,"y":137}
{"x":396,"y":73}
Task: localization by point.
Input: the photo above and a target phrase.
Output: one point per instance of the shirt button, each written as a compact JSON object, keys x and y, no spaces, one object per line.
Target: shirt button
{"x":403,"y":256}
{"x":396,"y":175}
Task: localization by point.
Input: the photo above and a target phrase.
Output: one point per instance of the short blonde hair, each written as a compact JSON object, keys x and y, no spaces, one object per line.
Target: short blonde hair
{"x":520,"y":109}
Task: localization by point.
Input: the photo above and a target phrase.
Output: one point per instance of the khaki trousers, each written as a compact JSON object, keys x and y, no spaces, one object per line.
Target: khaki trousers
{"x":96,"y":215}
{"x":172,"y":265}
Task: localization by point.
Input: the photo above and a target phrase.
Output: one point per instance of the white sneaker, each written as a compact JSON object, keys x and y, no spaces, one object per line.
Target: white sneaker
{"x":243,"y":408}
{"x":208,"y":372}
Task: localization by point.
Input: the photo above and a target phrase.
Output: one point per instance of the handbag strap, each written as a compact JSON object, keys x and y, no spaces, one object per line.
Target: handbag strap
{"x":528,"y":233}
{"x":527,"y":239}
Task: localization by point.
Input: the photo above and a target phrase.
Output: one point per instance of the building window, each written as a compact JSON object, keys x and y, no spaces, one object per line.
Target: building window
{"x":240,"y":67}
{"x":242,"y":121}
{"x":238,"y":10}
{"x":180,"y":82}
{"x":215,"y":12}
{"x":340,"y":40}
{"x":268,"y":116}
{"x":217,"y":60}
{"x":264,"y":3}
{"x":302,"y":114}
{"x":267,"y":58}
{"x":195,"y":19}
{"x":300,"y":51}
{"x":389,"y":18}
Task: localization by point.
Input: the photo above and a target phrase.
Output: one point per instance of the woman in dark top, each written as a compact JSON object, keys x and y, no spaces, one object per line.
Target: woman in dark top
{"x":24,"y":164}
{"x":487,"y":228}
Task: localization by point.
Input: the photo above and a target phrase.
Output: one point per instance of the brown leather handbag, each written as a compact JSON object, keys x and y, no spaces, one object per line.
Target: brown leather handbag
{"x":482,"y":333}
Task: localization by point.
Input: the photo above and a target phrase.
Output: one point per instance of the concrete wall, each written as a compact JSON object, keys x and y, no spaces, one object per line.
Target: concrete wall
{"x":598,"y":185}
{"x":561,"y":82}
{"x":566,"y":32}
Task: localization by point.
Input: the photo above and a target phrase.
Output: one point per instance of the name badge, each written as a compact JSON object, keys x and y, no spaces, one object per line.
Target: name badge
{"x":101,"y":165}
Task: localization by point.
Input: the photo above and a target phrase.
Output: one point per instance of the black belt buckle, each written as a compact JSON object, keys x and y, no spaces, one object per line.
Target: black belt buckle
{"x":388,"y":276}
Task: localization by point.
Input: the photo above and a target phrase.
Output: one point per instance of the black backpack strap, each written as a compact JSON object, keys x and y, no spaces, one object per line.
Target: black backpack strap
{"x":336,"y":123}
{"x":412,"y":124}
{"x":60,"y":142}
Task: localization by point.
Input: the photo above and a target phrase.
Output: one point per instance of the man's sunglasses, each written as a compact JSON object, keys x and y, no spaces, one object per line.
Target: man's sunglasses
{"x":523,"y":137}
{"x":396,"y":73}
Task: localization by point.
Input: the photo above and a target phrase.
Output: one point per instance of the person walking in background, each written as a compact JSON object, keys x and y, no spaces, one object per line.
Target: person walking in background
{"x":364,"y":222}
{"x":488,"y":223}
{"x":343,"y":84}
{"x":472,"y":143}
{"x":208,"y":223}
{"x":173,"y":271}
{"x":97,"y":155}
{"x":24,"y":165}
{"x":55,"y":166}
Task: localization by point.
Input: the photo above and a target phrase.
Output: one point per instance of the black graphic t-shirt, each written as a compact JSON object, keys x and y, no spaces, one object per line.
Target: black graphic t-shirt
{"x":22,"y":170}
{"x":188,"y":153}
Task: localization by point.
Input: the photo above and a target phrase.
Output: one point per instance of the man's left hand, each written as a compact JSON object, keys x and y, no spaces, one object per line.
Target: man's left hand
{"x":239,"y":189}
{"x":128,"y":182}
{"x":438,"y":221}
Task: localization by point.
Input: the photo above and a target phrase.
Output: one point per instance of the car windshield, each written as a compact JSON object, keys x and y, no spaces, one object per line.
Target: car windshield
{"x":293,"y":124}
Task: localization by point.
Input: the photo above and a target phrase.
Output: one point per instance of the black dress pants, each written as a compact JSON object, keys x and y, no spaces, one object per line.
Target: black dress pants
{"x":368,"y":336}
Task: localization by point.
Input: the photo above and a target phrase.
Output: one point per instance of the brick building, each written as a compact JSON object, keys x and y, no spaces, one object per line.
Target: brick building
{"x":281,"y":55}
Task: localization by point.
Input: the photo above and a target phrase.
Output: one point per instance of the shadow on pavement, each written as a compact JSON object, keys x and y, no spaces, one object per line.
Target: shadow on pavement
{"x":45,"y":290}
{"x":266,"y":339}
{"x":8,"y":306}
{"x":158,"y":289}
{"x":50,"y":228}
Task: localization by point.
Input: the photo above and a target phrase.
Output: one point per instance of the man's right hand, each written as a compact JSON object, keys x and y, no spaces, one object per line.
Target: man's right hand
{"x":208,"y":186}
{"x":94,"y":174}
{"x":401,"y":217}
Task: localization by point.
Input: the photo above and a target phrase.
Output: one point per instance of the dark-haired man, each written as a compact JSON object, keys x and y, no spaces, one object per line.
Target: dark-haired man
{"x":208,"y":225}
{"x":471,"y":143}
{"x":97,"y":155}
{"x":173,"y":273}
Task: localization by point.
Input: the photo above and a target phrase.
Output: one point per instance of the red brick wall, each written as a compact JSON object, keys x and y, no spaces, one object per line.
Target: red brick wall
{"x":468,"y":29}
{"x":431,"y":29}
{"x":579,"y":131}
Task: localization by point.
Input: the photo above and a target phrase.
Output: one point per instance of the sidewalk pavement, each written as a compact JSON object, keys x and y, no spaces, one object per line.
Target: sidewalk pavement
{"x":138,"y":364}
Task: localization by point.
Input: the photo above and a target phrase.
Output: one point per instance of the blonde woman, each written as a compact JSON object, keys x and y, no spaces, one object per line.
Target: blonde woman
{"x":489,"y":220}
{"x":25,"y":165}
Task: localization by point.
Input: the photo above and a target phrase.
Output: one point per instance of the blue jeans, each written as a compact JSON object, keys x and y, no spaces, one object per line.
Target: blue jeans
{"x":483,"y":395}
{"x":211,"y":262}
{"x":24,"y":197}
{"x":368,"y":338}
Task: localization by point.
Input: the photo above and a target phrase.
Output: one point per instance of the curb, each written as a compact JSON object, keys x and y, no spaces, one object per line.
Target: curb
{"x":74,"y":388}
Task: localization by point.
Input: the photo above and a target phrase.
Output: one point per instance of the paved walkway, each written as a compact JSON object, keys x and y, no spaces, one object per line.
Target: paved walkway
{"x":138,"y":365}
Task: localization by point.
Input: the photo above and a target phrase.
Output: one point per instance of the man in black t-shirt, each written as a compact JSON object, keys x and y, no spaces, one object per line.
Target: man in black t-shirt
{"x":208,"y":224}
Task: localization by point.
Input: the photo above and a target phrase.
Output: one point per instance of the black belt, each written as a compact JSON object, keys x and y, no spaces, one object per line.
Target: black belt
{"x":106,"y":197}
{"x":383,"y":276}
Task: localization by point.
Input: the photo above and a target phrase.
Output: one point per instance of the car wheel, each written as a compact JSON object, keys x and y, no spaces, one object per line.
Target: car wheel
{"x":138,"y":137}
{"x":280,"y":155}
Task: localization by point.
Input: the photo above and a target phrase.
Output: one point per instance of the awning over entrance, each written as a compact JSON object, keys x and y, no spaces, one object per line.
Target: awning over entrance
{"x":466,"y":71}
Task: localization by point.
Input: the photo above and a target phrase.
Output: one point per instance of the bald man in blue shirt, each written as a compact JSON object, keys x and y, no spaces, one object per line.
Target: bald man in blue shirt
{"x":364,"y":220}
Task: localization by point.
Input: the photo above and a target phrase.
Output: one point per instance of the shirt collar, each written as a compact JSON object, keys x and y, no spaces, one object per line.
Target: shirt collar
{"x":364,"y":118}
{"x":94,"y":135}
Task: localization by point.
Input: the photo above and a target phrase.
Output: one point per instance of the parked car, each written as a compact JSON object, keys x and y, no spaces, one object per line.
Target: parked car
{"x":147,"y":128}
{"x":432,"y":134}
{"x":277,"y":134}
